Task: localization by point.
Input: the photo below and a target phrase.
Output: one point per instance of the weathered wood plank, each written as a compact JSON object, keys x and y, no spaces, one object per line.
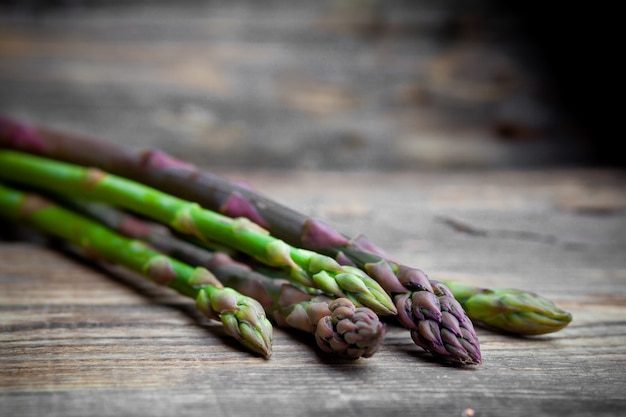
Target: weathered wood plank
{"x":386,"y":85}
{"x":77,"y":340}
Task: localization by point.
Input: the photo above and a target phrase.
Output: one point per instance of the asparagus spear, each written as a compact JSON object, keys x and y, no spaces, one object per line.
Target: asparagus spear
{"x":412,"y":291}
{"x":243,"y":317}
{"x":502,"y":309}
{"x":510,"y":310}
{"x":339,"y":327}
{"x":306,"y":267}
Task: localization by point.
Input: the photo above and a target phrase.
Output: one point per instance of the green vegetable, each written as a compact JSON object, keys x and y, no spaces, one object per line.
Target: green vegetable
{"x":510,"y":310}
{"x":339,"y":327}
{"x":243,"y":317}
{"x":410,"y":288}
{"x":305,"y":267}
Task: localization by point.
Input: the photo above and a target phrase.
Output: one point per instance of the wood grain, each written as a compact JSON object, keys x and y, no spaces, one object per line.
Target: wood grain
{"x":260,"y":91}
{"x":77,"y":340}
{"x":387,"y":85}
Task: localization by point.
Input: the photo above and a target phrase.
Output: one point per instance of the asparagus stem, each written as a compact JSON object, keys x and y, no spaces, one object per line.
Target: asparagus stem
{"x":306,"y":267}
{"x":412,"y":291}
{"x":501,"y":309}
{"x":339,"y":327}
{"x":243,"y":317}
{"x":510,"y":310}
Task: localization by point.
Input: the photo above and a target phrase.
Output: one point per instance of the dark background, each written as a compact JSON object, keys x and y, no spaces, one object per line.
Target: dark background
{"x":354,"y":84}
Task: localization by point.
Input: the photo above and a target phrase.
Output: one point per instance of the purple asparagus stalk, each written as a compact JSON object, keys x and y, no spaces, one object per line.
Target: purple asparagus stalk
{"x":243,"y":317}
{"x":339,"y":327}
{"x":420,"y":307}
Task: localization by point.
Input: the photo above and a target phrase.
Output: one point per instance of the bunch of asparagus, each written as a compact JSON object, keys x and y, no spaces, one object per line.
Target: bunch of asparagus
{"x":315,"y":278}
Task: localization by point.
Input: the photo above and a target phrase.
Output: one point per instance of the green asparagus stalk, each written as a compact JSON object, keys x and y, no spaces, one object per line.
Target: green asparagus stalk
{"x":271,"y":293}
{"x":243,"y":317}
{"x":413,"y":293}
{"x":510,"y":310}
{"x":339,"y":327}
{"x":306,"y":267}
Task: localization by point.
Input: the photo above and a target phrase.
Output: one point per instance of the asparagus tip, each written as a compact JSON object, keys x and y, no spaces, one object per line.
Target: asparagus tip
{"x":243,"y":317}
{"x":349,"y":331}
{"x":510,"y":310}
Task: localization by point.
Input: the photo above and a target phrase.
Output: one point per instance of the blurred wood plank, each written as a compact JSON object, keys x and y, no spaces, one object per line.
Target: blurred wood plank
{"x":385,"y":85}
{"x":77,"y":340}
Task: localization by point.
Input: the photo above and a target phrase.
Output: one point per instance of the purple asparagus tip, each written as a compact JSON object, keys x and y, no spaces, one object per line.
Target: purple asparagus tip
{"x":349,"y":331}
{"x":20,"y":135}
{"x":453,"y":339}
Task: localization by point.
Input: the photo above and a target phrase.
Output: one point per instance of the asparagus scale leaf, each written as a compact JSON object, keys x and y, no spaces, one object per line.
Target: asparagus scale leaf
{"x":183,"y":179}
{"x":306,"y":267}
{"x":179,"y":178}
{"x":510,"y":310}
{"x":339,"y":327}
{"x":243,"y":317}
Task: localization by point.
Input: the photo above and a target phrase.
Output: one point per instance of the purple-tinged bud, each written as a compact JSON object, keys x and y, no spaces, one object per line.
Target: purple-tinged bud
{"x":472,"y":347}
{"x":351,"y":283}
{"x":429,"y":338}
{"x":231,"y":325}
{"x":426,"y":305}
{"x":451,"y":305}
{"x":414,"y":279}
{"x":184,"y":221}
{"x":157,"y":160}
{"x":238,"y":206}
{"x":404,"y":306}
{"x":344,"y":260}
{"x":316,"y":310}
{"x":325,"y":282}
{"x":289,"y":295}
{"x":202,"y":276}
{"x":203,"y":304}
{"x":382,"y":273}
{"x":439,"y":288}
{"x":348,"y":331}
{"x":278,"y":253}
{"x":257,"y":291}
{"x":248,"y":311}
{"x":93,"y":177}
{"x":452,"y":340}
{"x":468,"y":332}
{"x":299,"y":319}
{"x":220,"y":259}
{"x":160,"y":270}
{"x":366,"y":245}
{"x":32,"y":203}
{"x":319,"y":262}
{"x":324,"y":331}
{"x":338,"y":344}
{"x":344,"y":326}
{"x":134,"y":228}
{"x":445,"y":345}
{"x":451,"y":323}
{"x":317,"y":235}
{"x":21,"y":136}
{"x":243,"y":225}
{"x":429,"y":331}
{"x":224,"y":300}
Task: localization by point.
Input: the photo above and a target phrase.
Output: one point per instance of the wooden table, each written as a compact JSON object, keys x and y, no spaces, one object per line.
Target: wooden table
{"x":284,"y":95}
{"x":80,"y":341}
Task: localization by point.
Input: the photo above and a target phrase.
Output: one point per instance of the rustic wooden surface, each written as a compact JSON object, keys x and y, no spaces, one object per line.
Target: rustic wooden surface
{"x":78,"y":341}
{"x":385,"y":84}
{"x":396,"y":94}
